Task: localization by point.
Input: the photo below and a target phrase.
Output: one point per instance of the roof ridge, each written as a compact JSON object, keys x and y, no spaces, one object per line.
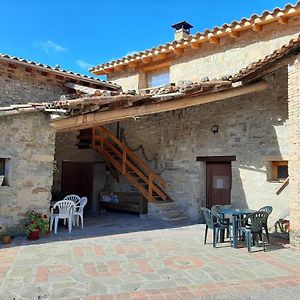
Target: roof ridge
{"x":277,"y":14}
{"x":56,"y":69}
{"x":292,"y":45}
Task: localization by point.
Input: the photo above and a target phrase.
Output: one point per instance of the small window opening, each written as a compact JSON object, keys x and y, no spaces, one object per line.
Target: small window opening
{"x":280,"y":170}
{"x":158,"y":78}
{"x":4,"y":170}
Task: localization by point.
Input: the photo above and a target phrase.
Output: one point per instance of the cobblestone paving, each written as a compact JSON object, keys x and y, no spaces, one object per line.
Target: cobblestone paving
{"x":157,"y":264}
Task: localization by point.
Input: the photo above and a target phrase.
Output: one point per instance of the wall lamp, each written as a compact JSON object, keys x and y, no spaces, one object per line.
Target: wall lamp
{"x":215,"y":129}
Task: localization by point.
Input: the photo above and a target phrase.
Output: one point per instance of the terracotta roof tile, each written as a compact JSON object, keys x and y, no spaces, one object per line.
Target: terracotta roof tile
{"x":291,"y":48}
{"x":264,"y":18}
{"x":111,"y":100}
{"x":58,"y":70}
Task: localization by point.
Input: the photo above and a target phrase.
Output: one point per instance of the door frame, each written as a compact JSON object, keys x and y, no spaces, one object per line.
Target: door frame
{"x":216,"y":160}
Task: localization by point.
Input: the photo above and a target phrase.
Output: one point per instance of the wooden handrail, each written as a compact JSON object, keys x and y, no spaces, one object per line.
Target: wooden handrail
{"x":123,"y":160}
{"x":135,"y":170}
{"x":132,"y":155}
{"x":283,"y":186}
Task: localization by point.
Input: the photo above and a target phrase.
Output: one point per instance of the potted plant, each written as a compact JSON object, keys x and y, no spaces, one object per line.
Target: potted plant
{"x":5,"y":236}
{"x":34,"y":224}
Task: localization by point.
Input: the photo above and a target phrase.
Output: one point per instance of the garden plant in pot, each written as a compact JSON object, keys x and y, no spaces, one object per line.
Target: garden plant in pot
{"x":5,"y":235}
{"x":34,"y":224}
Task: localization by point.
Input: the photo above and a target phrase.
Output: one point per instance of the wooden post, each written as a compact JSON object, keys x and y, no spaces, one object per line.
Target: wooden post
{"x":124,"y":161}
{"x":101,"y":143}
{"x":150,"y":187}
{"x":93,"y":137}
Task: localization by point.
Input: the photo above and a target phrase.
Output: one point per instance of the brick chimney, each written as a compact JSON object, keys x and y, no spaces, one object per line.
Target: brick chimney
{"x":182,"y":30}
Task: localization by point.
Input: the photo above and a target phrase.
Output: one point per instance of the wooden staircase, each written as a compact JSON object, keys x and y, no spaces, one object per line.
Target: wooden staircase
{"x":121,"y":160}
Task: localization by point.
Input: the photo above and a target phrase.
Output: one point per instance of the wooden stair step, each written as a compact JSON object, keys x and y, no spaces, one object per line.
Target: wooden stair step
{"x":121,"y":160}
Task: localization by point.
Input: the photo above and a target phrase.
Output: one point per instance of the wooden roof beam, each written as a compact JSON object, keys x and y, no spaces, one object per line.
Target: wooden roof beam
{"x":195,"y":45}
{"x":257,"y":27}
{"x":213,"y":40}
{"x":282,"y":20}
{"x":98,"y":118}
{"x":178,"y":51}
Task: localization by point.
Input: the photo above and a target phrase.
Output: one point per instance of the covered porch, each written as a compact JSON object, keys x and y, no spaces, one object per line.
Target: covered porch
{"x":252,"y":124}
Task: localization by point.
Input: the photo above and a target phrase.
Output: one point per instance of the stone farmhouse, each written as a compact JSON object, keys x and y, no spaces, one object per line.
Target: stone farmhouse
{"x":209,"y":118}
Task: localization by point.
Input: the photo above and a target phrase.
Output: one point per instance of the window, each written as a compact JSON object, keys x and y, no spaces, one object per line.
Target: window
{"x":158,"y":78}
{"x":4,"y":168}
{"x":280,"y":170}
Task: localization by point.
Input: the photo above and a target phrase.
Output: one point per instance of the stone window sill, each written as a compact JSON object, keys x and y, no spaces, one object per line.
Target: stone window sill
{"x":276,"y":181}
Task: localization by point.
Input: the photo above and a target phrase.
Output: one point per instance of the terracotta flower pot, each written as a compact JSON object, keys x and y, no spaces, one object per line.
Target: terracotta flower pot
{"x":34,"y":235}
{"x":6,"y":239}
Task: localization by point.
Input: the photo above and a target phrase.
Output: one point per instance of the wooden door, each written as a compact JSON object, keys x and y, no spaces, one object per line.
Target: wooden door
{"x":77,"y":178}
{"x":218,"y":183}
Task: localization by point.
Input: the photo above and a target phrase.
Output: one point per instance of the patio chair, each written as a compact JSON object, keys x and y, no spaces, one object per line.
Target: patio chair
{"x":252,"y":227}
{"x":74,"y":198}
{"x":65,"y":211}
{"x":267,"y":209}
{"x":215,"y":223}
{"x":216,"y":209}
{"x":79,"y":211}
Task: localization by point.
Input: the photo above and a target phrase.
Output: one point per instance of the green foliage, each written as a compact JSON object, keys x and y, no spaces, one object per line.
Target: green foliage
{"x":35,"y":221}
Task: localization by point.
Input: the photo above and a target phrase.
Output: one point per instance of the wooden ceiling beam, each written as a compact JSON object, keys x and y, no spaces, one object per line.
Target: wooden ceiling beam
{"x":257,"y":27}
{"x":283,"y":20}
{"x":120,"y":68}
{"x":96,"y":118}
{"x":195,"y":45}
{"x":132,"y":64}
{"x":214,"y":40}
{"x":178,"y":51}
{"x":147,"y":59}
{"x":234,"y":34}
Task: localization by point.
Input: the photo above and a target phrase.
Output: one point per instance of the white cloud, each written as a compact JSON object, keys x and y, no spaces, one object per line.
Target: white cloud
{"x":83,"y":64}
{"x":49,"y":46}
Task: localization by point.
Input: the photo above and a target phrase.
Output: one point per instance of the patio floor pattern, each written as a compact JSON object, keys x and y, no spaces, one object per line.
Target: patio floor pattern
{"x":169,"y":263}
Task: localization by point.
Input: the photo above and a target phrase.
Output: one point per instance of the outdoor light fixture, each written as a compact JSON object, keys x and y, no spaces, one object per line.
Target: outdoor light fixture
{"x":215,"y":129}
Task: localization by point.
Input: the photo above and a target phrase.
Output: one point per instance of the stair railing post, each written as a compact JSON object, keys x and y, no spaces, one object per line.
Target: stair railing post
{"x":124,"y":158}
{"x":101,"y":143}
{"x":93,"y":137}
{"x":150,"y":188}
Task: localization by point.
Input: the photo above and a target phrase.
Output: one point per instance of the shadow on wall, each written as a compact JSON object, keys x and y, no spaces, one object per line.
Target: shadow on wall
{"x":251,"y":127}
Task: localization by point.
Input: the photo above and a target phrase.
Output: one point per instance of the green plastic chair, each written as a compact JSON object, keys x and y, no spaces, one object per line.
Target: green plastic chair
{"x":216,"y":209}
{"x":268,"y":210}
{"x":252,"y":227}
{"x":215,"y":223}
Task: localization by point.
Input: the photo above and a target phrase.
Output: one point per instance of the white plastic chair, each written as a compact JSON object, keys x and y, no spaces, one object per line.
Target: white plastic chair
{"x":79,"y":211}
{"x":65,"y":211}
{"x":74,"y":198}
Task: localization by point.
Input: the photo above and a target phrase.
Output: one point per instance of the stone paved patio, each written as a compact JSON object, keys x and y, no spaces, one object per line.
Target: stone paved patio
{"x":158,"y":263}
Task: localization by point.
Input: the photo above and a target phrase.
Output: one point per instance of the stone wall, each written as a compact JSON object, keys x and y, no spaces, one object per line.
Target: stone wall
{"x":18,"y":86}
{"x":248,"y":129}
{"x":66,"y":150}
{"x":28,"y":142}
{"x":294,"y":151}
{"x":217,"y":60}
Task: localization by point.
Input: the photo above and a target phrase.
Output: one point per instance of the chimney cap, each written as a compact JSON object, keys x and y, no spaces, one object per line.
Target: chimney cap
{"x":182,"y":25}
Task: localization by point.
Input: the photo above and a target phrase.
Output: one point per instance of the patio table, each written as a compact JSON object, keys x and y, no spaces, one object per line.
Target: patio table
{"x":235,"y":213}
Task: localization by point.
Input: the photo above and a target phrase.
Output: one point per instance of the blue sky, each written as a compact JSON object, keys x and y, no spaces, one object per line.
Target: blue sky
{"x":77,"y":34}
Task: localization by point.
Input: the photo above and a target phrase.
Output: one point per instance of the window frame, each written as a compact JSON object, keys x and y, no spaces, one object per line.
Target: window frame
{"x":2,"y":166}
{"x":275,"y":165}
{"x":157,"y":72}
{"x":4,"y":170}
